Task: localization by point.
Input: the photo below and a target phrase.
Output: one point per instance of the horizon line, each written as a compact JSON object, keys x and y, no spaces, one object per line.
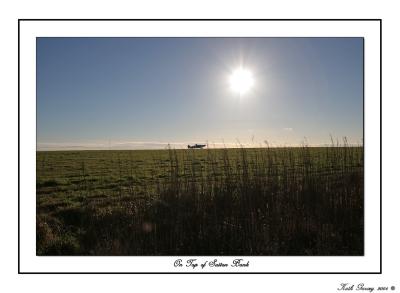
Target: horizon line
{"x":182,"y":147}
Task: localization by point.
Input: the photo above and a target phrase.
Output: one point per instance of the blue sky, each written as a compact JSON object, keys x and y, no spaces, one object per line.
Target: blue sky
{"x":147,"y":92}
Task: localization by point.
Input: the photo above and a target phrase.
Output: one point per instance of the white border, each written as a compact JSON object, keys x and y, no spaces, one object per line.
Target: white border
{"x":29,"y":30}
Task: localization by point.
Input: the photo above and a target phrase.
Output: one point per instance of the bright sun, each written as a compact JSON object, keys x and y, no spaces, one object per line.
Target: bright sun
{"x":241,"y":80}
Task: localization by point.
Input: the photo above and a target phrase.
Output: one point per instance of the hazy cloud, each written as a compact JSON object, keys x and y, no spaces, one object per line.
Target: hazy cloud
{"x":133,"y":145}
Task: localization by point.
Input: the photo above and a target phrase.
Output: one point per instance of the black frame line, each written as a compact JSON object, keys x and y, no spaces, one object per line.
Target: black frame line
{"x":202,"y":19}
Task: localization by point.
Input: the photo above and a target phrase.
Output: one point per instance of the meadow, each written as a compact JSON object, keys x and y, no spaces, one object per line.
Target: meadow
{"x":240,"y":201}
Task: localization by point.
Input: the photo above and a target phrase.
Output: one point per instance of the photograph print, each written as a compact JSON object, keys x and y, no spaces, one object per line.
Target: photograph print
{"x":200,"y":146}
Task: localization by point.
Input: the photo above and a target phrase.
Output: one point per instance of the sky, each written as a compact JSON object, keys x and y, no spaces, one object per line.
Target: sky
{"x":145,"y":93}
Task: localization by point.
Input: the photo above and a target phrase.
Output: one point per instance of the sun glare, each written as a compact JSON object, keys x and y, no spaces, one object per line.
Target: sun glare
{"x":241,"y":80}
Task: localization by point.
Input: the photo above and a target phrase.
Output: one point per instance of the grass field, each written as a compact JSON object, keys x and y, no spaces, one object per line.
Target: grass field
{"x":261,"y":201}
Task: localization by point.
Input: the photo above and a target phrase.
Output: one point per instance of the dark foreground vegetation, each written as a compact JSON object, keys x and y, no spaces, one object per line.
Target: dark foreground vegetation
{"x":264,"y":201}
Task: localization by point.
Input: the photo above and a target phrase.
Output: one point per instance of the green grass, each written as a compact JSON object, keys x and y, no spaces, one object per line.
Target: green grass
{"x":263,"y":201}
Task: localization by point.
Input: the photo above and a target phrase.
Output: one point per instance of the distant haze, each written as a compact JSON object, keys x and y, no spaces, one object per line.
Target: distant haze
{"x":146,"y":93}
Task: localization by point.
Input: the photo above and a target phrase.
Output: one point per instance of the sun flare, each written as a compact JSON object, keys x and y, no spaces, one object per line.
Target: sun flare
{"x":241,"y":80}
